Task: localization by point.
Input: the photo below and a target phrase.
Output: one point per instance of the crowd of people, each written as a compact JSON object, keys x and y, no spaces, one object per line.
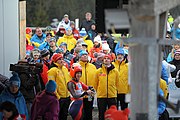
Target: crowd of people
{"x":78,"y":68}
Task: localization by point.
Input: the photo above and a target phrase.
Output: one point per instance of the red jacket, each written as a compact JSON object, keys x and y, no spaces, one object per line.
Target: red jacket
{"x":44,"y":74}
{"x":75,"y":33}
{"x":93,"y":50}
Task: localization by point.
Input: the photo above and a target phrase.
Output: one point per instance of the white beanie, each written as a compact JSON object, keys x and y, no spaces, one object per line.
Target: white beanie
{"x":105,"y":46}
{"x":97,"y":39}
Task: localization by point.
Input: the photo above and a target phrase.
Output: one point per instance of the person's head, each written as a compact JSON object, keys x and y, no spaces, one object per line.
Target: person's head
{"x":48,"y":29}
{"x":14,"y":83}
{"x":79,"y":41}
{"x":113,"y":114}
{"x":93,"y":26}
{"x":177,"y":55}
{"x":84,"y":46}
{"x":35,"y":54}
{"x":64,"y":46}
{"x":58,"y":58}
{"x":9,"y":110}
{"x":72,"y":24}
{"x":107,"y":60}
{"x":48,"y":37}
{"x":51,"y":86}
{"x":88,"y":16}
{"x":68,"y":31}
{"x":176,"y":46}
{"x":76,"y":71}
{"x":97,"y":41}
{"x":83,"y":56}
{"x":66,"y":18}
{"x":77,"y":49}
{"x":38,"y":31}
{"x":45,"y":54}
{"x":105,"y":48}
{"x":100,"y":57}
{"x":29,"y":31}
{"x":82,"y":33}
{"x":120,"y":54}
{"x":52,"y":42}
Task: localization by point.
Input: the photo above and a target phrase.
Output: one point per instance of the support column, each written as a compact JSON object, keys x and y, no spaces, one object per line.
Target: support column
{"x":22,"y":28}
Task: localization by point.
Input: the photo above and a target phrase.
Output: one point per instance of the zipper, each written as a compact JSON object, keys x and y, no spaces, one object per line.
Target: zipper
{"x":107,"y":82}
{"x":85,"y":75}
{"x":64,"y":80}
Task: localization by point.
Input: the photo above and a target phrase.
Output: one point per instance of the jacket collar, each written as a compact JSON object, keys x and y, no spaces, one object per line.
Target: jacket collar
{"x":121,"y":63}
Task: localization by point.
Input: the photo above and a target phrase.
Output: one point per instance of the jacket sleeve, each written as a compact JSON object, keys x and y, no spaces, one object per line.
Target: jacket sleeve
{"x":169,"y":58}
{"x":51,"y":75}
{"x":164,"y":74}
{"x":161,"y":104}
{"x":43,"y":45}
{"x":26,"y":111}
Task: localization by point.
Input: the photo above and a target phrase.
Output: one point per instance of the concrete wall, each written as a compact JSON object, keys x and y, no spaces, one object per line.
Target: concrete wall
{"x":9,"y":34}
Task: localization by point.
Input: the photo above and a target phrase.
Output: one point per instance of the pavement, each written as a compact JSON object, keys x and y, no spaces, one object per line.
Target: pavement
{"x":94,"y":114}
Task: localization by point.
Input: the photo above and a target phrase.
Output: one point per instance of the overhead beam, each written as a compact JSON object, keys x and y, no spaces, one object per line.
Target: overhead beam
{"x":165,"y":5}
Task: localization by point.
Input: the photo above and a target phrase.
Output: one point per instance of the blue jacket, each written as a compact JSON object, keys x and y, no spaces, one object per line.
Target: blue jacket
{"x":161,"y":104}
{"x":18,"y":100}
{"x":44,"y":45}
{"x":176,"y":32}
{"x":36,"y":39}
{"x":164,"y":73}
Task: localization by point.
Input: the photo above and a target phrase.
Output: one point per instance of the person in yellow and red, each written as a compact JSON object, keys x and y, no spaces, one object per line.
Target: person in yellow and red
{"x":77,"y":90}
{"x":29,"y":46}
{"x":124,"y":88}
{"x":88,"y":77}
{"x":59,"y":73}
{"x":67,"y":38}
{"x":107,"y":83}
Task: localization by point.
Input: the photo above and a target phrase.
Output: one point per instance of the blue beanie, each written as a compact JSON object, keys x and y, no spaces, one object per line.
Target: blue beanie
{"x":15,"y":80}
{"x":82,"y":52}
{"x":51,"y":86}
{"x":120,"y":51}
{"x":83,"y":32}
{"x":63,"y":44}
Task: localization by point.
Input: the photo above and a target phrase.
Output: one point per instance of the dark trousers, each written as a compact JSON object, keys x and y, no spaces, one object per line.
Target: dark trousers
{"x":87,"y":109}
{"x":64,"y":105}
{"x":103,"y":103}
{"x":121,"y":98}
{"x":164,"y":115}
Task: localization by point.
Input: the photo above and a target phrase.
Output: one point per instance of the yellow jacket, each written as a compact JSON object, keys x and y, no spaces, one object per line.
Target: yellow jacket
{"x":124,"y":87}
{"x":107,"y":83}
{"x":61,"y":76}
{"x":88,"y":73}
{"x":89,"y":43}
{"x":69,"y":40}
{"x":163,"y":86}
{"x":28,"y":38}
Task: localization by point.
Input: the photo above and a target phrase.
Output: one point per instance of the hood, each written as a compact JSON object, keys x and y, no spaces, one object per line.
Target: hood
{"x":45,"y":97}
{"x":68,"y":37}
{"x":7,"y":93}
